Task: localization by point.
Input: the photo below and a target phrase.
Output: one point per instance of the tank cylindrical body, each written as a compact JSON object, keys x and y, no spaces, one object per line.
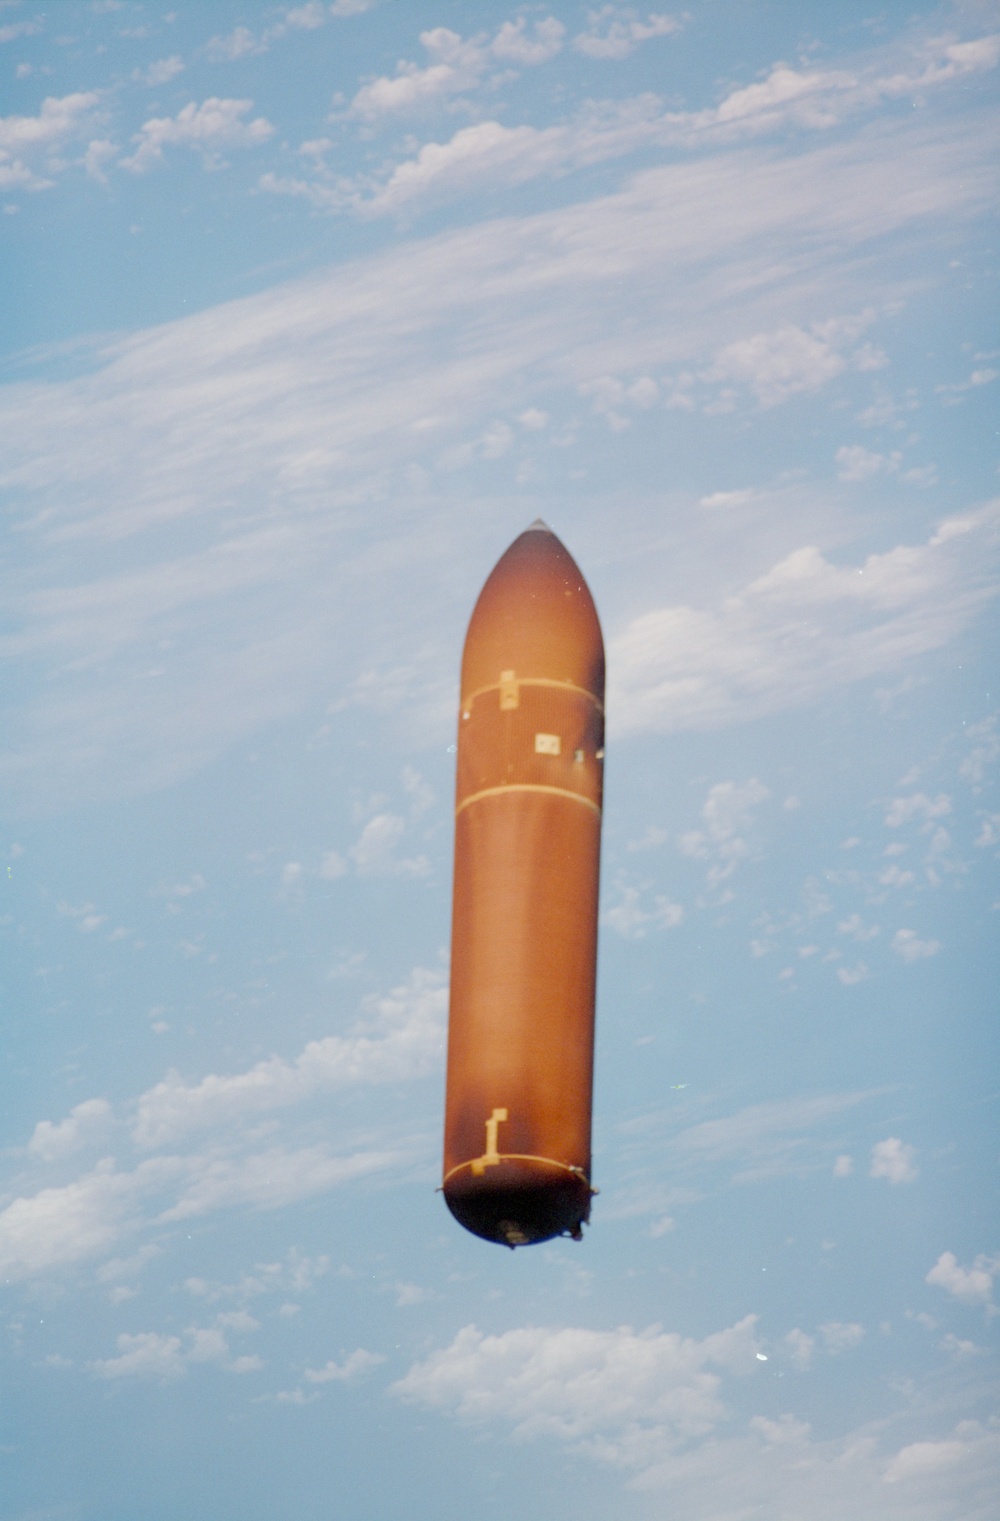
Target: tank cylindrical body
{"x":524,"y":919}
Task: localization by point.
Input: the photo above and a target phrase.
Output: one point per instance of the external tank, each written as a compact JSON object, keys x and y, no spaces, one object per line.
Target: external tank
{"x":524,"y":919}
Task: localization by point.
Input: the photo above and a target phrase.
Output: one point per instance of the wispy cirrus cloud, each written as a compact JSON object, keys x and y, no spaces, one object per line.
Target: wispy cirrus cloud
{"x":405,"y":370}
{"x":495,"y":154}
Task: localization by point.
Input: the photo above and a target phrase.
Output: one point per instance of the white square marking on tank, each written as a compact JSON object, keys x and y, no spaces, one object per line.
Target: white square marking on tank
{"x":547,"y":744}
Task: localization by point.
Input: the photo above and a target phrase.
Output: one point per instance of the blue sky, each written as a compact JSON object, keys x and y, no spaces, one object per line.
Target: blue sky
{"x":307,"y":312}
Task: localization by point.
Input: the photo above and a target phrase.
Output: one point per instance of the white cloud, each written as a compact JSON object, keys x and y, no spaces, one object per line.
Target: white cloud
{"x":923,"y":1458}
{"x":150,"y":1354}
{"x":651,"y":1405}
{"x":907,"y":943}
{"x":857,"y":930}
{"x":804,"y":626}
{"x":629,"y":919}
{"x":813,"y":100}
{"x":764,"y":1140}
{"x":801,"y":1347}
{"x":620,"y":1395}
{"x":212,"y":128}
{"x":985,"y":750}
{"x":236,"y":44}
{"x":973,"y":1285}
{"x":29,"y":141}
{"x":902,"y":810}
{"x":87,"y":1123}
{"x":843,"y":1166}
{"x":15,"y":29}
{"x":457,"y":65}
{"x":892,"y":1159}
{"x":989,"y":833}
{"x":162,"y":71}
{"x":355,"y":1365}
{"x":840,"y":1336}
{"x":779,"y":364}
{"x":305,"y":18}
{"x":374,"y":853}
{"x":332,"y":865}
{"x":145,"y":1355}
{"x":515,"y":44}
{"x":296,"y":1273}
{"x":615,"y":32}
{"x":61,"y":1226}
{"x":728,"y":808}
{"x":402,"y":1038}
{"x":308,"y":394}
{"x":269,"y":1179}
{"x":855,"y":463}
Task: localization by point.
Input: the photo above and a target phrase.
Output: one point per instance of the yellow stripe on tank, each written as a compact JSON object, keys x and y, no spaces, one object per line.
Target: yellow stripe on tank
{"x":578,"y":797}
{"x":533,"y":681}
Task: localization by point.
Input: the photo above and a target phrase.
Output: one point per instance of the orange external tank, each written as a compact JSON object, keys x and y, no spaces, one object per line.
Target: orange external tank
{"x":524,"y":919}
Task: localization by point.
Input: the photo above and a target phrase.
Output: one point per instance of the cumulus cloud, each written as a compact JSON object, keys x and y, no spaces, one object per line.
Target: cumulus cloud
{"x":457,"y":65}
{"x":145,"y":1355}
{"x":162,"y":71}
{"x":212,"y":128}
{"x":804,"y":626}
{"x":907,"y":944}
{"x":28,"y":141}
{"x":893,"y":1160}
{"x":840,"y":1336}
{"x":855,"y":463}
{"x":621,"y":1395}
{"x":632,"y":921}
{"x":778,"y":365}
{"x":800,"y":1347}
{"x":615,"y":32}
{"x":355,"y":1365}
{"x":973,"y":1286}
{"x":652,"y":1405}
{"x":85,"y":1124}
{"x":374,"y":852}
{"x":727,"y":809}
{"x":151,"y":1354}
{"x":923,"y":1458}
{"x":903,"y":810}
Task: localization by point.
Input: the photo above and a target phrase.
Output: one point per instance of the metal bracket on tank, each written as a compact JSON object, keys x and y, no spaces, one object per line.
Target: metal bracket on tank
{"x":490,"y":1157}
{"x":510,"y":695}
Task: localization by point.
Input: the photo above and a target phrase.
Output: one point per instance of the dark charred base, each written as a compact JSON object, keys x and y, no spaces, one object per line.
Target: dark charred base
{"x":517,"y":1211}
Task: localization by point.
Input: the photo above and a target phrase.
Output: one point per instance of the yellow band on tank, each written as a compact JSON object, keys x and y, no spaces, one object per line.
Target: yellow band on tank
{"x":520,"y":1156}
{"x":535,"y":681}
{"x":577,"y":797}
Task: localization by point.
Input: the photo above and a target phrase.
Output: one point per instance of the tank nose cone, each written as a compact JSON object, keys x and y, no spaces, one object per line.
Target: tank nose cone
{"x":535,"y":616}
